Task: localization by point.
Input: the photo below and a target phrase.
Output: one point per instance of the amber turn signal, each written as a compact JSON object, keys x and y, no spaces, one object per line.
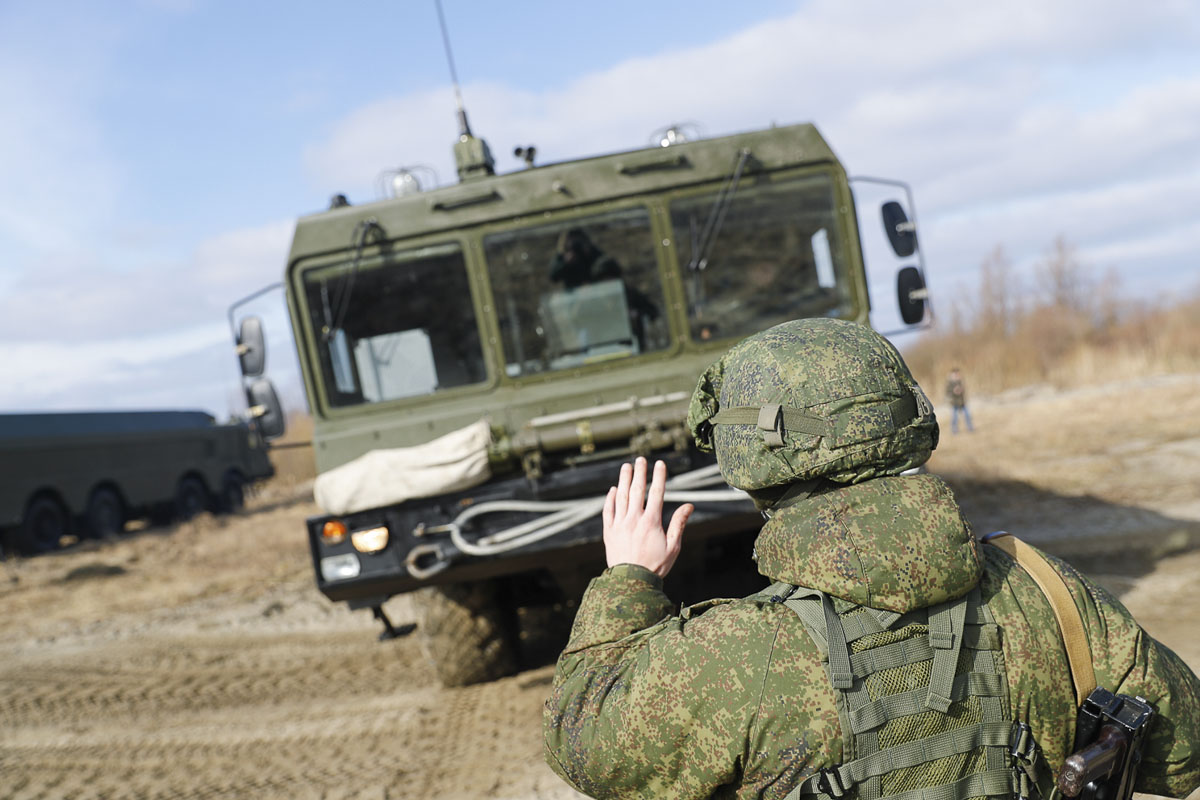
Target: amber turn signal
{"x":334,"y":532}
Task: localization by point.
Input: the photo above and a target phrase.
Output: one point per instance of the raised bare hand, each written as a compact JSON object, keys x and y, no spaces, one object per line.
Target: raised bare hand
{"x":633,"y":531}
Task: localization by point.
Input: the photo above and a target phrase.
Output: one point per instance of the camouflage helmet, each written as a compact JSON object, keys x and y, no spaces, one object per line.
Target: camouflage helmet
{"x":811,"y":399}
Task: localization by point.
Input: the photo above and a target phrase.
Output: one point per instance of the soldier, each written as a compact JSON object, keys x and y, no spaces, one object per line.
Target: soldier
{"x":893,"y":657}
{"x":956,"y":393}
{"x":577,"y":260}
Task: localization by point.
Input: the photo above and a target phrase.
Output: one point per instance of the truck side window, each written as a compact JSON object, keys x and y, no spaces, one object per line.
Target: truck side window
{"x":400,"y":325}
{"x":770,"y":254}
{"x":577,"y":292}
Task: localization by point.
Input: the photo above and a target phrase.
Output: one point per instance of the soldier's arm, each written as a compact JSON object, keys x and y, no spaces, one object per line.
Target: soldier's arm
{"x":646,"y":706}
{"x":1130,"y":661}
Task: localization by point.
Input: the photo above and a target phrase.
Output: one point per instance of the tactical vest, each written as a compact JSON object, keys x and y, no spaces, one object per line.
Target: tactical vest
{"x":922,"y":701}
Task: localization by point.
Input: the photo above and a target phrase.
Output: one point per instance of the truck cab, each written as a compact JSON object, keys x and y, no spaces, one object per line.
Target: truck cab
{"x":568,"y":308}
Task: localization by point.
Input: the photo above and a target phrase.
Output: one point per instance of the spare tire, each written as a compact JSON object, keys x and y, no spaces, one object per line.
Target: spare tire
{"x":465,"y":632}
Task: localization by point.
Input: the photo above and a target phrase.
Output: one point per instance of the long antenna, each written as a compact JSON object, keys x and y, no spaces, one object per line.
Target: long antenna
{"x":464,"y":129}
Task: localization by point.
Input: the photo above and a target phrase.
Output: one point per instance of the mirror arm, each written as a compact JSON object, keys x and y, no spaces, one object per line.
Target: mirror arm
{"x":912,"y":210}
{"x":252,"y":296}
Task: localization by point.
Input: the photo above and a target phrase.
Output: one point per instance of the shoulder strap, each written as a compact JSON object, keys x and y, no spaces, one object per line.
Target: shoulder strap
{"x":1079,"y":654}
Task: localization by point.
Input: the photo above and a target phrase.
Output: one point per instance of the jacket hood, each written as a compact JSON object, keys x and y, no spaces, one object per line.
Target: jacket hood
{"x":895,"y":543}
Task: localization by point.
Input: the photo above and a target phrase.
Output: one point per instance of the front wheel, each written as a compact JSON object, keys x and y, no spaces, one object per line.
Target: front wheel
{"x":46,"y":522}
{"x":465,"y":632}
{"x":233,"y":494}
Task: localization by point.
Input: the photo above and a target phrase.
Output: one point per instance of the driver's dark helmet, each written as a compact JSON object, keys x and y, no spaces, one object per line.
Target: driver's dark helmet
{"x":578,"y":243}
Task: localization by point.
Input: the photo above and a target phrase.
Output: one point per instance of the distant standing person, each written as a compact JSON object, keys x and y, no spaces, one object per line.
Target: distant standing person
{"x":956,"y":392}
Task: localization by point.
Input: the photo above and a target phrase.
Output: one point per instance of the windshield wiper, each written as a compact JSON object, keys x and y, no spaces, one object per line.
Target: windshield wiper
{"x":358,"y":240}
{"x":716,"y":216}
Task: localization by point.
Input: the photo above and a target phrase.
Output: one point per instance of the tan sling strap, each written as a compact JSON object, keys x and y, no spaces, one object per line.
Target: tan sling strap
{"x":1079,"y":654}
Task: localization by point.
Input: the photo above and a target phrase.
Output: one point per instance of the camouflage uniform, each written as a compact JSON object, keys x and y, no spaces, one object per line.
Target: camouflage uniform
{"x":732,"y":698}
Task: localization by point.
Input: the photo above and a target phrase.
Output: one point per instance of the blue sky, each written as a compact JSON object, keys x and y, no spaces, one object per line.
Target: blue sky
{"x":154,"y":153}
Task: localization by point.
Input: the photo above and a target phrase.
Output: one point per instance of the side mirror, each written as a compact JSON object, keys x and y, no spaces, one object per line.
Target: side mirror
{"x":266,"y":409}
{"x":911,"y":294}
{"x":900,"y":231}
{"x":251,"y":347}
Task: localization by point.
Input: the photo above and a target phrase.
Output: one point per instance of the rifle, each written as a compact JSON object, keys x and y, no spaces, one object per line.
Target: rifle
{"x":1110,"y":732}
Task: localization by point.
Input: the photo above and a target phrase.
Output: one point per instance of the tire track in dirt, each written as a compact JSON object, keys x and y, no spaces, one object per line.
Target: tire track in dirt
{"x":286,"y":715}
{"x":198,"y":672}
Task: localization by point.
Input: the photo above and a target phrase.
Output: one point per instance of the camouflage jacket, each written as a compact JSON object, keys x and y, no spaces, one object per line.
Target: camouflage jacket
{"x":730,"y":698}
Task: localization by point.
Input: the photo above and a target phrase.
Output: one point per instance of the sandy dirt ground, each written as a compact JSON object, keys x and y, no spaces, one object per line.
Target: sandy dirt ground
{"x":199,"y":661}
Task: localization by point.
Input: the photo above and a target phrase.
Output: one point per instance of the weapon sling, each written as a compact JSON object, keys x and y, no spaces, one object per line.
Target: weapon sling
{"x":1111,"y":729}
{"x":1079,"y":654}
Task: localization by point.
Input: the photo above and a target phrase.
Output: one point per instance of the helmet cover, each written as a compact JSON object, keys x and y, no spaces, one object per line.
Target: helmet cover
{"x":809,"y":399}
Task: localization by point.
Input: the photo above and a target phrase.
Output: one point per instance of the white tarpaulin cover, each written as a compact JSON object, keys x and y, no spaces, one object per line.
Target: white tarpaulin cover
{"x":458,"y":460}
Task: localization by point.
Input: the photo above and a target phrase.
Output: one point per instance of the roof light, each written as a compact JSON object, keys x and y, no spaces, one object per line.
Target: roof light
{"x":404,"y":181}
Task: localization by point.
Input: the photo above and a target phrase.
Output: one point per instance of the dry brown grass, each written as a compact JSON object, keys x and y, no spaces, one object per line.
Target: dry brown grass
{"x":1069,"y":328}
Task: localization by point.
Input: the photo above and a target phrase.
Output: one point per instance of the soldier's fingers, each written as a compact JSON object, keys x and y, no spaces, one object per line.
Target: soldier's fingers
{"x":610,"y":508}
{"x":637,"y":487}
{"x":621,"y":503}
{"x":654,"y":500}
{"x":675,"y":537}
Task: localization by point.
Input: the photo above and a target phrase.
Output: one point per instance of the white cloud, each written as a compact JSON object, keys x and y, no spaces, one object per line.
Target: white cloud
{"x":79,"y":297}
{"x":80,"y":338}
{"x":236,"y":263}
{"x":967,"y":79}
{"x":43,"y":369}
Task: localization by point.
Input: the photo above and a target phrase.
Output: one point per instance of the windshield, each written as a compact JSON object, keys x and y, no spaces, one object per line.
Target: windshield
{"x":769,"y":254}
{"x":395,"y":326}
{"x":577,"y":292}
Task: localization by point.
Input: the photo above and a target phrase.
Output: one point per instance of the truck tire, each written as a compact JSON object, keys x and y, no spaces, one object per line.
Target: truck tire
{"x":105,"y":514}
{"x":191,"y":498}
{"x":464,"y":633}
{"x":46,"y":522}
{"x":233,"y":494}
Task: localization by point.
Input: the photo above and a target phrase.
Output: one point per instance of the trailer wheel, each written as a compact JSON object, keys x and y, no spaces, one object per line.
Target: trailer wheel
{"x":105,"y":513}
{"x":191,"y":498}
{"x":464,"y":633}
{"x":46,"y":522}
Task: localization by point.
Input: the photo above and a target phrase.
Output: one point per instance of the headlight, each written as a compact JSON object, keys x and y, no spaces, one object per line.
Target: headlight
{"x":370,"y":541}
{"x":340,"y":568}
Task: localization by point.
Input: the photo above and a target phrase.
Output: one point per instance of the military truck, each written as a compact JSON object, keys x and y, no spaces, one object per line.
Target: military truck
{"x":480,"y":357}
{"x":88,"y":473}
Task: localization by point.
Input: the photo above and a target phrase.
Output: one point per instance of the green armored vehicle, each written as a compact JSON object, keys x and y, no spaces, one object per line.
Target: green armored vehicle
{"x":89,"y":472}
{"x":479,"y":359}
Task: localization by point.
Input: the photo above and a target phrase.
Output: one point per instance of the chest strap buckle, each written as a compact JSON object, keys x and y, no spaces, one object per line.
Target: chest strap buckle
{"x":1021,"y":744}
{"x":830,"y":782}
